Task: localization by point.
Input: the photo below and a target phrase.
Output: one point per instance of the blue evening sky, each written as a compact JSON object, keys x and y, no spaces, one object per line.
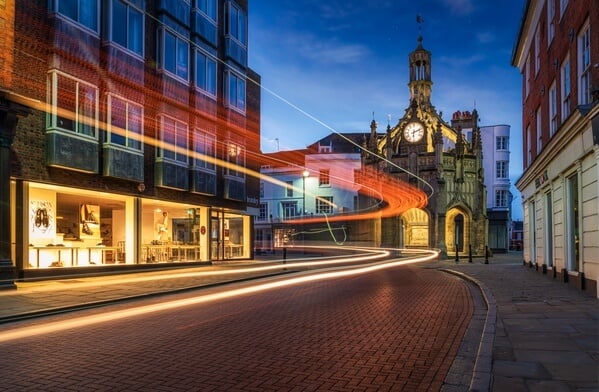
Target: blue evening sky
{"x":328,"y":65}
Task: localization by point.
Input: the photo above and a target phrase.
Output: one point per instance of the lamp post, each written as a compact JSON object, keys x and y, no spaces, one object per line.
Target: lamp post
{"x":305,"y":174}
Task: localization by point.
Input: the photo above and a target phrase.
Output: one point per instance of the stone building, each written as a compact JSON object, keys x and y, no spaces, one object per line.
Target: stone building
{"x":424,"y":150}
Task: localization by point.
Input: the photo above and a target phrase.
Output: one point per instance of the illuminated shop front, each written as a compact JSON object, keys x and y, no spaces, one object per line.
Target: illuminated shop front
{"x":68,"y":227}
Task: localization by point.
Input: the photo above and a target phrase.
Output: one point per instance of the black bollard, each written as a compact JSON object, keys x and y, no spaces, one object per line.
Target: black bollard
{"x":284,"y":255}
{"x":470,"y":253}
{"x":487,"y":254}
{"x":457,"y":254}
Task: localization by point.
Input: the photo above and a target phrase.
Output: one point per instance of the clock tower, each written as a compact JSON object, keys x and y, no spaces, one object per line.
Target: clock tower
{"x":424,"y":150}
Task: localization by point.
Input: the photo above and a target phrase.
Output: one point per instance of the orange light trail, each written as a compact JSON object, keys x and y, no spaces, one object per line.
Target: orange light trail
{"x":37,"y":330}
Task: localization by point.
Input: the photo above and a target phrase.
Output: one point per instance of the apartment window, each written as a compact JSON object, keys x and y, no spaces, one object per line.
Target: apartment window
{"x":205,"y":75}
{"x":235,"y":90}
{"x":127,"y":27}
{"x":324,"y":177}
{"x":204,"y":147}
{"x":562,"y":7}
{"x":263,"y":212}
{"x":74,"y":104}
{"x":584,"y":72}
{"x":502,"y":143}
{"x":501,"y":169}
{"x":289,"y":209}
{"x":208,"y":7}
{"x":174,"y":54}
{"x":527,"y":76}
{"x":537,"y":50}
{"x":565,"y":79}
{"x":539,"y":132}
{"x":289,"y":188}
{"x":236,"y":159}
{"x":125,"y":122}
{"x":550,"y":21}
{"x":84,"y":12}
{"x":528,"y":146}
{"x":237,"y":23}
{"x":501,"y":198}
{"x":552,"y":109}
{"x":324,"y":205}
{"x":173,"y":139}
{"x":261,"y":189}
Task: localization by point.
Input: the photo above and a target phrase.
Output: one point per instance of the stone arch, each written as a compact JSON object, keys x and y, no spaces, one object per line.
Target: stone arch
{"x":415,"y":228}
{"x":458,"y":229}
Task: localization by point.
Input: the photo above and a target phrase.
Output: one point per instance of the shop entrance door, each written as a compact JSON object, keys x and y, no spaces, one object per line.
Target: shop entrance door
{"x":216,"y":243}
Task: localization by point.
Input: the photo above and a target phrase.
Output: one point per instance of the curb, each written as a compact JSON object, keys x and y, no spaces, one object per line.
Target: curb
{"x":483,"y":366}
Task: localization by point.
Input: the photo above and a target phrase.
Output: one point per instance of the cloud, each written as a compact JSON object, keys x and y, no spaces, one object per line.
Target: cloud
{"x":325,"y":52}
{"x":459,"y":7}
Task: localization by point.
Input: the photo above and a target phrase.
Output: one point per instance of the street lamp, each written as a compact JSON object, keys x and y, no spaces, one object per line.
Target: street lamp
{"x":305,"y":174}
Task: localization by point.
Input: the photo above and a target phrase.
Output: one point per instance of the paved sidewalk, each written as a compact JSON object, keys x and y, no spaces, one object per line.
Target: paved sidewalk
{"x":529,"y":332}
{"x":544,"y":334}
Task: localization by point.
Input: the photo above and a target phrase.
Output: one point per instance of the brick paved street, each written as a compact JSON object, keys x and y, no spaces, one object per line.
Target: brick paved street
{"x":394,"y":329}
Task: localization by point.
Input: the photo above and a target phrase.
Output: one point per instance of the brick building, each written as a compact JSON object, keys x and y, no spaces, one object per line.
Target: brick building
{"x":138,"y":124}
{"x":557,"y":53}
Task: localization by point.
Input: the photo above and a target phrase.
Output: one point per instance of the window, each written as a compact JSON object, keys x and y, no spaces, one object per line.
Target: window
{"x":552,"y":109}
{"x":324,"y":177}
{"x":125,"y":123}
{"x":174,"y":54}
{"x":263,"y":212}
{"x":204,"y":148}
{"x":562,"y":7}
{"x":565,"y":79}
{"x":537,"y":50}
{"x":502,"y":143}
{"x":74,"y":104}
{"x":84,"y":12}
{"x":528,"y":146}
{"x":236,"y":160}
{"x":501,"y":169}
{"x":324,"y":205}
{"x":237,"y":23}
{"x":205,"y":75}
{"x":584,"y":72}
{"x":127,"y":27}
{"x":289,"y":188}
{"x":173,"y":139}
{"x":550,"y":22}
{"x":208,"y":7}
{"x":527,"y":76}
{"x":539,"y":132}
{"x":261,"y":189}
{"x":289,"y":209}
{"x":501,"y":198}
{"x":235,"y":90}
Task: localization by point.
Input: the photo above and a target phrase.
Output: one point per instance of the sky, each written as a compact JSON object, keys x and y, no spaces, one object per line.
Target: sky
{"x":327,"y":66}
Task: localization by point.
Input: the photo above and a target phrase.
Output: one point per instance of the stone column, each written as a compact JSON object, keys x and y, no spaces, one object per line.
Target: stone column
{"x":9,"y":115}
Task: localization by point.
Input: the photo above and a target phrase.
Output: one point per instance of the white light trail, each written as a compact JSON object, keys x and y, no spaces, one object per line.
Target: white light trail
{"x":37,"y":330}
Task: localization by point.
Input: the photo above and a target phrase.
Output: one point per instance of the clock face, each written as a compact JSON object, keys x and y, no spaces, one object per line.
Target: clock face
{"x":413,"y":132}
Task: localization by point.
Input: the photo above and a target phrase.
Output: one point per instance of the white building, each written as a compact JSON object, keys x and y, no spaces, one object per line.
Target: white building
{"x":496,"y":163}
{"x":557,"y":53}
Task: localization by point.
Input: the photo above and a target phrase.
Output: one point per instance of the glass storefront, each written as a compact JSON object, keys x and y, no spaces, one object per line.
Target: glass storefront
{"x":76,"y":228}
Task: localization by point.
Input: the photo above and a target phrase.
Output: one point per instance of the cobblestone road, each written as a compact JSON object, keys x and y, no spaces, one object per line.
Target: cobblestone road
{"x":394,"y":329}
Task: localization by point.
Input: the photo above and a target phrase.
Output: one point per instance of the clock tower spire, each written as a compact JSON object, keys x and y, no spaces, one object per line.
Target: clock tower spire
{"x":420,"y":75}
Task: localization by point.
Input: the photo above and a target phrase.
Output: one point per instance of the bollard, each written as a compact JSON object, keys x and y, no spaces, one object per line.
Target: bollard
{"x":457,"y":254}
{"x":487,"y":254}
{"x":470,"y":253}
{"x":284,"y":255}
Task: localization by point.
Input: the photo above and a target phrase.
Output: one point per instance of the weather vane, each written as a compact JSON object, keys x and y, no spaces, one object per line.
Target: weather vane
{"x":420,"y":21}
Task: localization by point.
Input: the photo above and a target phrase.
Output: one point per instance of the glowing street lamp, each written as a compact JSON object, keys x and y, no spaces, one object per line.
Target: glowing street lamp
{"x":305,"y":174}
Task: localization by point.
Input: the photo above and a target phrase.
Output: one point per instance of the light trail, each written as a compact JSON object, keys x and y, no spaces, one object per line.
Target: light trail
{"x":37,"y":330}
{"x":370,"y":255}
